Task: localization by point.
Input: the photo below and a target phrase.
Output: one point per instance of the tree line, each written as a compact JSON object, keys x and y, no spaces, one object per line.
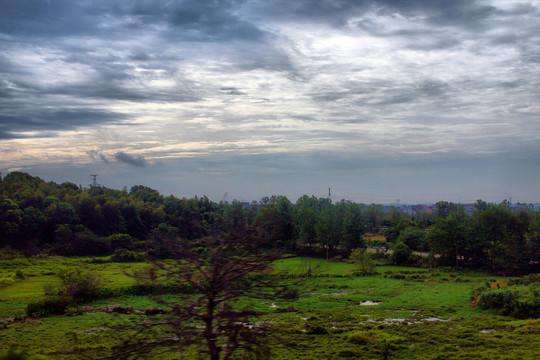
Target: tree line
{"x":498,"y":237}
{"x":67,"y":219}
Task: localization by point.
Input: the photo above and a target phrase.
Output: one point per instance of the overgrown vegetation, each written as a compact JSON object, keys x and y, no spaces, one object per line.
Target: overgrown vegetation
{"x":357,"y":303}
{"x":518,"y":299}
{"x":405,"y":309}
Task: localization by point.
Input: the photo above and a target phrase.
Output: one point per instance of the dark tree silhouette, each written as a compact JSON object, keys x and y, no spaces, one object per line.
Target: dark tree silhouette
{"x":216,"y":272}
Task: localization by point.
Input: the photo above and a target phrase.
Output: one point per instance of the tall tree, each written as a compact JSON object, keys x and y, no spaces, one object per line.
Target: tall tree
{"x":10,"y":220}
{"x":220,"y":269}
{"x":499,"y":239}
{"x":448,"y":237}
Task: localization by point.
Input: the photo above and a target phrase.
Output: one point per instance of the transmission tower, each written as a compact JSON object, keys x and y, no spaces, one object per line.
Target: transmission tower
{"x":94,"y":180}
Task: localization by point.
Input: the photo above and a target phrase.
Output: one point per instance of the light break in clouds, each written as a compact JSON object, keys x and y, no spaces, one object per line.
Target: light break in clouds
{"x":379,"y":100}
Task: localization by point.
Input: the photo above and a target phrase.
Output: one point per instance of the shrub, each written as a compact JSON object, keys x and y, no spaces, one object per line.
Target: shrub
{"x":364,"y":261}
{"x":19,"y":274}
{"x":525,"y":280}
{"x":80,"y":284}
{"x":124,"y":255}
{"x":401,"y":254}
{"x":48,"y":306}
{"x":516,"y":301}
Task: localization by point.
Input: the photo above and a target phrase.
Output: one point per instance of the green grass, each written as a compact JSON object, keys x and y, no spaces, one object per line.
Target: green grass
{"x":421,"y":315}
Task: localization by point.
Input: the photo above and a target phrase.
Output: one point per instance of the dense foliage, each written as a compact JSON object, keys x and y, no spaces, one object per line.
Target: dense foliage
{"x":66,"y":219}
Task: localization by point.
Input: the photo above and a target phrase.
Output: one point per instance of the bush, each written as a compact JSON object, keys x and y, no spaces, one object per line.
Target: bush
{"x":80,"y":284}
{"x":19,"y":274}
{"x":56,"y":305}
{"x":124,"y":255}
{"x":401,"y":255}
{"x":362,"y":258}
{"x":525,"y":280}
{"x":516,"y":301}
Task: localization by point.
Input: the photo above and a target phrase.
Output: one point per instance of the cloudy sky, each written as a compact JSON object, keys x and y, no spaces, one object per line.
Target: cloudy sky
{"x":418,"y":100}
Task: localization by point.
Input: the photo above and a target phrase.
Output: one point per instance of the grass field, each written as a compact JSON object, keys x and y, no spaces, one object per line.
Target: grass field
{"x":399,"y":313}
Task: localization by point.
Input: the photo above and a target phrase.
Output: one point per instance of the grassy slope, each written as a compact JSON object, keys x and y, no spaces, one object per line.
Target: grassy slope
{"x":330,"y":304}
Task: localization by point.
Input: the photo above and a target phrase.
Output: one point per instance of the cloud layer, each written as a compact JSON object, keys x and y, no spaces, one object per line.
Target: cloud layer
{"x":353,"y":86}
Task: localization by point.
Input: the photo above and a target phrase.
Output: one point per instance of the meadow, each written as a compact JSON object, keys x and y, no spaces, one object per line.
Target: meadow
{"x":397,"y":313}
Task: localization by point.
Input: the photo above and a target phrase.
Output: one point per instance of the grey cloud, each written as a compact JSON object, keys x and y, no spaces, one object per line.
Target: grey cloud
{"x":189,"y":20}
{"x":231,"y":91}
{"x":44,"y":120}
{"x":98,"y":155}
{"x":137,"y":161}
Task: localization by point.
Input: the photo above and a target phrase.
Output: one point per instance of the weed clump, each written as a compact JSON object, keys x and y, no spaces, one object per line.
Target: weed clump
{"x":363,"y":337}
{"x":317,"y":330}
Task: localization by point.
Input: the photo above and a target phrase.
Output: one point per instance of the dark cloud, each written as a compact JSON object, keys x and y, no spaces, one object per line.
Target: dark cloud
{"x":43,"y":121}
{"x":137,"y":161}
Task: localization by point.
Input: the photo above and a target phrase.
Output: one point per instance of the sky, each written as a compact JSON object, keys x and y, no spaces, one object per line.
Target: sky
{"x":419,"y":100}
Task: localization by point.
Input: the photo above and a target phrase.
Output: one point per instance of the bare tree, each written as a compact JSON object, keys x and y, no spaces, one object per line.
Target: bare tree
{"x":214,"y":272}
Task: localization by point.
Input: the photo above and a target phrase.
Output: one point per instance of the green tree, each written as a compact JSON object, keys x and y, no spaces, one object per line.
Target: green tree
{"x":499,"y":239}
{"x":401,"y":254}
{"x":275,"y":222}
{"x":114,"y":222}
{"x":306,"y":214}
{"x":352,"y":227}
{"x":414,"y":238}
{"x":374,"y":215}
{"x":10,"y":219}
{"x":445,"y":208}
{"x":448,"y":237}
{"x":533,"y":244}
